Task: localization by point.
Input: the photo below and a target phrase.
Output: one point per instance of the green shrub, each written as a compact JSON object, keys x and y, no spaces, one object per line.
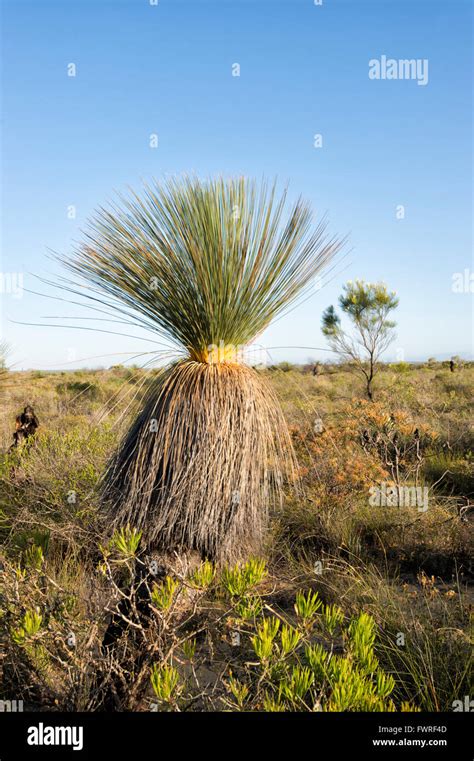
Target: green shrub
{"x":400,"y":367}
{"x":82,"y":389}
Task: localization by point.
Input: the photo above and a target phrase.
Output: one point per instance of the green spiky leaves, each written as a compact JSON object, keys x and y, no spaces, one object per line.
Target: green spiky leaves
{"x":204,"y":264}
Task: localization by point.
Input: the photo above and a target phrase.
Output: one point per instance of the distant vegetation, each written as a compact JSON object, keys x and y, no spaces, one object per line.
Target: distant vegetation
{"x":350,"y":605}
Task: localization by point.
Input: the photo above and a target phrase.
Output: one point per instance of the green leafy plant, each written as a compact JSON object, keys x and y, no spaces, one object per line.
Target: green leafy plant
{"x":189,"y":648}
{"x":263,"y":640}
{"x":273,"y":704}
{"x":165,"y":682}
{"x":294,"y":672}
{"x":126,"y":541}
{"x":30,"y":626}
{"x":239,"y":690}
{"x":333,"y":617}
{"x":163,"y":594}
{"x":361,"y":633}
{"x":203,"y":576}
{"x":249,"y":607}
{"x":318,"y":658}
{"x":307,"y":605}
{"x":289,"y":639}
{"x":33,"y":557}
{"x":240,"y":579}
{"x":295,"y":687}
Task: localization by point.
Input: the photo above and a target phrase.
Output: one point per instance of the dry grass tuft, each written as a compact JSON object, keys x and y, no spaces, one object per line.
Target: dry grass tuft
{"x":201,"y":463}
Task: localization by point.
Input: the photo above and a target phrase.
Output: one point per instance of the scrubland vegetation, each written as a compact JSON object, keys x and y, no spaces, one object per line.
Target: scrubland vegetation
{"x":350,"y":605}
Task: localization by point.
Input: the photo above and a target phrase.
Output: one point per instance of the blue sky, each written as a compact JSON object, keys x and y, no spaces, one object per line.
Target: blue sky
{"x":167,"y":70}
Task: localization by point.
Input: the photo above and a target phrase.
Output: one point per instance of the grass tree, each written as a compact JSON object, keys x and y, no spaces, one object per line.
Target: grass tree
{"x":207,"y":265}
{"x":368,"y":306}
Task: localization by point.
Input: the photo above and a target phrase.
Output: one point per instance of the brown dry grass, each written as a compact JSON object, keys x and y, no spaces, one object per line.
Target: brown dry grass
{"x":201,"y":463}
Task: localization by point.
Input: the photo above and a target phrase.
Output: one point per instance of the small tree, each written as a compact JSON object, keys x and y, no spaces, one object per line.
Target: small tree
{"x":368,"y":306}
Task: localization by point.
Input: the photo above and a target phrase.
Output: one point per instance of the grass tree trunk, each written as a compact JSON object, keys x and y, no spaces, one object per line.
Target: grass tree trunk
{"x":201,"y":462}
